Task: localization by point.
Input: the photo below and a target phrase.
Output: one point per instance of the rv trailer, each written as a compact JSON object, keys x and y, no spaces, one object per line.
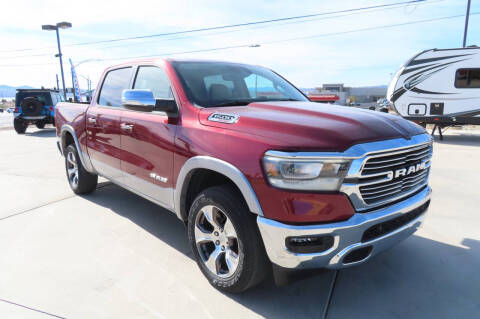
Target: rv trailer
{"x":439,"y":86}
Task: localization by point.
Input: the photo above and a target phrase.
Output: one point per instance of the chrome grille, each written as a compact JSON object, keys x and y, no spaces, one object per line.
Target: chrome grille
{"x":378,"y":182}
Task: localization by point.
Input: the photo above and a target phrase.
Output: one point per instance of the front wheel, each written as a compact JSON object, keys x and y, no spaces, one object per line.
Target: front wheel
{"x":225,"y":240}
{"x":20,"y":126}
{"x":40,"y":124}
{"x":81,"y":181}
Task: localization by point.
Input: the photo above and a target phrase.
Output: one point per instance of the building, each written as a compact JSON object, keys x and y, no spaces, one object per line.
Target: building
{"x":340,"y":94}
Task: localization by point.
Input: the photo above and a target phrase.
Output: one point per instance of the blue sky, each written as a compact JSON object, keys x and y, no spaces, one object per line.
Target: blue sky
{"x":356,"y":59}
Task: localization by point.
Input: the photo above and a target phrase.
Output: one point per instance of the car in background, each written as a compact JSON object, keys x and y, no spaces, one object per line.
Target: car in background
{"x":35,"y":106}
{"x":10,"y":110}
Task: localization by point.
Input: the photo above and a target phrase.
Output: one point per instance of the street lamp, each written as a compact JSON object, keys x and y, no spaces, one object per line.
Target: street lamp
{"x":60,"y":25}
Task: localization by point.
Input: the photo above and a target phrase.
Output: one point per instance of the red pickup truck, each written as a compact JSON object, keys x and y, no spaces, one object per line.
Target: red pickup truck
{"x":258,"y":173}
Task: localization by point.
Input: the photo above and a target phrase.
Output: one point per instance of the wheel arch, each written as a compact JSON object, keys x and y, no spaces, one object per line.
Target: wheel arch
{"x":219,"y":168}
{"x":67,"y":135}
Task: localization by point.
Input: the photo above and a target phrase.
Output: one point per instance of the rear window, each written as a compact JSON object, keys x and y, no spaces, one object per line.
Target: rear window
{"x":44,"y":97}
{"x":115,"y":82}
{"x":467,"y":78}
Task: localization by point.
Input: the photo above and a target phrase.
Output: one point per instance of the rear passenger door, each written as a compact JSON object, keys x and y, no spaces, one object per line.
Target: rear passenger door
{"x":148,"y":144}
{"x":103,"y":124}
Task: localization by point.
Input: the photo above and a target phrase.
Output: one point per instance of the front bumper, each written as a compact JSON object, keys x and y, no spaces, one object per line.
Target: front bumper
{"x":347,"y":235}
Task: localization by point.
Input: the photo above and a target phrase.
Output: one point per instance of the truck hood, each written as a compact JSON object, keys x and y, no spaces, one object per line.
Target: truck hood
{"x":312,"y":126}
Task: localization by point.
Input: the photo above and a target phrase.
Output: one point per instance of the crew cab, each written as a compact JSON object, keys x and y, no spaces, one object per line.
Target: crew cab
{"x":260,"y":175}
{"x":34,"y":106}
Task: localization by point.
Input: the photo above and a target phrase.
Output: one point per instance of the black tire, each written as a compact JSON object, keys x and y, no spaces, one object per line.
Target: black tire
{"x":40,"y":124}
{"x":20,"y":126}
{"x":84,"y":182}
{"x":253,"y":264}
{"x":31,"y":106}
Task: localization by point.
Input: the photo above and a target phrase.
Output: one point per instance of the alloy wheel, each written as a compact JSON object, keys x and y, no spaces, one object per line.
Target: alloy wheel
{"x":72,"y":169}
{"x":216,"y":241}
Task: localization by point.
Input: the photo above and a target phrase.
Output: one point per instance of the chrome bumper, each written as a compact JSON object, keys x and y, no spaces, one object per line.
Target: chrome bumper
{"x":347,"y":235}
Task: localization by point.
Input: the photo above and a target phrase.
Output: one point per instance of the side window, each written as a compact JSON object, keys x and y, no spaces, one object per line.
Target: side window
{"x":467,"y":79}
{"x":115,"y":82}
{"x":155,"y":79}
{"x":258,"y":86}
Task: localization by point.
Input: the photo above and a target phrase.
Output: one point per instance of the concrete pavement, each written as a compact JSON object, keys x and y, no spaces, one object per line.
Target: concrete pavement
{"x":112,"y":254}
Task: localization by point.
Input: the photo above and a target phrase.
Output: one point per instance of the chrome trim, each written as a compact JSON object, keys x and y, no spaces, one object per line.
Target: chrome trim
{"x":219,"y":166}
{"x":359,"y":154}
{"x":40,"y":117}
{"x":347,"y":235}
{"x":84,"y":158}
{"x":358,"y":150}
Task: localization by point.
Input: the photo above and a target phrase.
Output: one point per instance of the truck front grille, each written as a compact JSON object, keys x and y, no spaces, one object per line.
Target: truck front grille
{"x":389,"y":175}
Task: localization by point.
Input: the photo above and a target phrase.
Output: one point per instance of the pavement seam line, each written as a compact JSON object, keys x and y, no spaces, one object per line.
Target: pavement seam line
{"x":33,"y":309}
{"x":36,"y":207}
{"x":49,"y":203}
{"x":330,"y":295}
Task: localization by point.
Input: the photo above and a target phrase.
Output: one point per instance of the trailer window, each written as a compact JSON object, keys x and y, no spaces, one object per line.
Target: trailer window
{"x":467,"y":78}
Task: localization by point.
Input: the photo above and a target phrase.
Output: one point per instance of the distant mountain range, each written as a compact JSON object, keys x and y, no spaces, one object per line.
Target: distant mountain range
{"x":9,"y":91}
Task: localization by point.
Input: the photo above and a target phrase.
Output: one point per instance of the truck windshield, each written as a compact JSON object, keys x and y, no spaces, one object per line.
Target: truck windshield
{"x":43,"y":97}
{"x":213,"y":84}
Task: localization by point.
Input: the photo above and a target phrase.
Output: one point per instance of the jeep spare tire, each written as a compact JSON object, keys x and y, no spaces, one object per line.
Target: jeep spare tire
{"x":31,"y":107}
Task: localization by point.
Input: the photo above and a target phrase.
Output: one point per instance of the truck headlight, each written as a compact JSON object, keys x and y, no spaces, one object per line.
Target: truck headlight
{"x":300,"y":174}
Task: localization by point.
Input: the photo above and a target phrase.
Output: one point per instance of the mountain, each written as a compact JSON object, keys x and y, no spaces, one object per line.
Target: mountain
{"x":9,"y":91}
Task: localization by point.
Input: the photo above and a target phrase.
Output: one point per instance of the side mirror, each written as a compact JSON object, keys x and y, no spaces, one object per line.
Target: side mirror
{"x":143,"y":100}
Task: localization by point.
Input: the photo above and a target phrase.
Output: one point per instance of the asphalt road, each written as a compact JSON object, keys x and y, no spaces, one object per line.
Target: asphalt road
{"x":112,"y":254}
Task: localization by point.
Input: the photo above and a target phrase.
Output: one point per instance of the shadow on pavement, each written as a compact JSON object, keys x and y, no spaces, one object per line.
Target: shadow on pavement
{"x":419,"y":278}
{"x":46,"y":132}
{"x":464,"y":138}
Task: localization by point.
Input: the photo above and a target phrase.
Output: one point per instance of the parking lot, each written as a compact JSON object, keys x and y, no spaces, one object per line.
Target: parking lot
{"x":112,"y":254}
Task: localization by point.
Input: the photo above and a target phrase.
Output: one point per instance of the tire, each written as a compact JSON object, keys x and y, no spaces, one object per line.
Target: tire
{"x":81,"y":181}
{"x":40,"y":124}
{"x":231,"y":238}
{"x":31,"y":106}
{"x":20,"y":126}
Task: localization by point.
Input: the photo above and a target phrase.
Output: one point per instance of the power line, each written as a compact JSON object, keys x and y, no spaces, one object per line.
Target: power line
{"x":274,"y":41}
{"x":294,"y":39}
{"x":232,"y":25}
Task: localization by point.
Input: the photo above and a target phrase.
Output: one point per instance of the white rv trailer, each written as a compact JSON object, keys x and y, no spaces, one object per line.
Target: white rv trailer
{"x":439,"y":87}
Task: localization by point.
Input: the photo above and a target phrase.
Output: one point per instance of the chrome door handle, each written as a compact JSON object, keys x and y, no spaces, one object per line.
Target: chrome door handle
{"x":126,"y":127}
{"x":92,"y":120}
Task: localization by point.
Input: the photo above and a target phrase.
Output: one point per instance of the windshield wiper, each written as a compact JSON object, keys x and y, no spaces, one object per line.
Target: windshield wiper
{"x":232,"y":103}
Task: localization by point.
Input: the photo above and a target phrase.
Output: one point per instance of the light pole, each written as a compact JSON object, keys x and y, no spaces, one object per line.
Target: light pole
{"x":466,"y":25}
{"x":60,"y":25}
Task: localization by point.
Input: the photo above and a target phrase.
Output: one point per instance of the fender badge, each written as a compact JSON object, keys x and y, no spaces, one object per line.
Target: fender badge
{"x":223,"y":118}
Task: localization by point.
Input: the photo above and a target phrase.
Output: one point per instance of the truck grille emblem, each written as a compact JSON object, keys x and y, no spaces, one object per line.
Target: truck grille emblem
{"x":411,"y":169}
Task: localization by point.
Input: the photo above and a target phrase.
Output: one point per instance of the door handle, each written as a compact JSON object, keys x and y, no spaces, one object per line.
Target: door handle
{"x":92,"y":120}
{"x":126,"y":127}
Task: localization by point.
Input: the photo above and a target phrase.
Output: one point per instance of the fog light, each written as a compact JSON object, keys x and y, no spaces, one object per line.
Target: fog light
{"x":309,"y":244}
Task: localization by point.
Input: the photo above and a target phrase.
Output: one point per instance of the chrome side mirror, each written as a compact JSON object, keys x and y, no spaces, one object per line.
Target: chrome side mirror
{"x":142,"y":100}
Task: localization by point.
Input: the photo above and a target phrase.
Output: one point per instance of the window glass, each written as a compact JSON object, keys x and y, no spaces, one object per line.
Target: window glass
{"x":211,"y":84}
{"x":259,"y":86}
{"x":43,"y":97}
{"x":467,"y":78}
{"x":154,"y":79}
{"x":115,"y":82}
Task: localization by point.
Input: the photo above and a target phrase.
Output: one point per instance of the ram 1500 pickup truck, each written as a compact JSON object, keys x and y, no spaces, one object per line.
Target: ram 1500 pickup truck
{"x":260,"y":175}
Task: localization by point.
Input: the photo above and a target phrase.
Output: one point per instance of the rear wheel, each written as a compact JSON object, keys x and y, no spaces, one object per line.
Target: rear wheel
{"x":20,"y":126}
{"x":225,"y":240}
{"x":40,"y":124}
{"x":81,"y":181}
